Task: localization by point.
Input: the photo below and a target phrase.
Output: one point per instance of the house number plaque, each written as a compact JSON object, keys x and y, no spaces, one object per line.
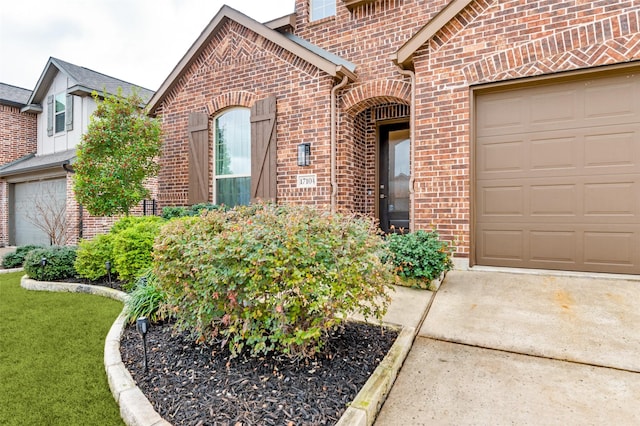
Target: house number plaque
{"x":306,"y":181}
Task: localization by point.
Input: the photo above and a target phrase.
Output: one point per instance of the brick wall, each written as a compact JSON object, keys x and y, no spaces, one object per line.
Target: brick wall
{"x":493,"y":41}
{"x":17,"y":139}
{"x":488,"y":41}
{"x":241,"y":67}
{"x":17,"y":134}
{"x":81,"y":225}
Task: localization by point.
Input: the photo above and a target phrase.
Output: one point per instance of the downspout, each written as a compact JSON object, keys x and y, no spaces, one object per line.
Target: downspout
{"x":412,"y":145}
{"x":334,"y":120}
{"x":69,"y":169}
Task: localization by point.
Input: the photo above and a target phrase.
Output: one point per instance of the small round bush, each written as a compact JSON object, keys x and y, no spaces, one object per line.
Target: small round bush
{"x":93,"y":256}
{"x":16,"y":259}
{"x":133,"y":244}
{"x":271,"y":278}
{"x":58,"y":266}
{"x":420,"y":255}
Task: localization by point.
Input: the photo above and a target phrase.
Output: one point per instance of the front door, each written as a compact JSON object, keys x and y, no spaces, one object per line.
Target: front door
{"x":394,"y":177}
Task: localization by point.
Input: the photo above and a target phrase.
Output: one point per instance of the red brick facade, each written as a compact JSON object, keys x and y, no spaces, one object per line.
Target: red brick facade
{"x":17,"y":139}
{"x":487,"y":42}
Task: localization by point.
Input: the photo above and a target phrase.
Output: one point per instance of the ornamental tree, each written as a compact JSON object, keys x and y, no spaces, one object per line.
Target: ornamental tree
{"x":116,"y":155}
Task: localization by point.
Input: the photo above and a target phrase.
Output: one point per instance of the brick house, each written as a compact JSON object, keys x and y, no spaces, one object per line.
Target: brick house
{"x":39,"y":132}
{"x":512,"y":127}
{"x":17,"y":139}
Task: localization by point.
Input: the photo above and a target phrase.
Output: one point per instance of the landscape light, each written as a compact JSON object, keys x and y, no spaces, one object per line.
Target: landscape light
{"x":107,"y":265}
{"x":43,"y":262}
{"x":142,"y":325}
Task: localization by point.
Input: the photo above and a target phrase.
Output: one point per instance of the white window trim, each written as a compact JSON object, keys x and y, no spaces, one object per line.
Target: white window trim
{"x":314,"y":19}
{"x":62,"y":95}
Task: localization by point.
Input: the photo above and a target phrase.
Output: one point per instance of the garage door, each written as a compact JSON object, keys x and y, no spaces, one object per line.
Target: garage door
{"x":557,"y":175}
{"x":37,"y":206}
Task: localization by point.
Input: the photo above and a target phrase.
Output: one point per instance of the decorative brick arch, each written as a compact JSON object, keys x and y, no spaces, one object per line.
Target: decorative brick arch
{"x":601,"y":42}
{"x":237,"y":98}
{"x":374,"y":93}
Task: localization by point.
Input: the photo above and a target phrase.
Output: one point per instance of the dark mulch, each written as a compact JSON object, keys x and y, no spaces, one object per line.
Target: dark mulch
{"x":190,"y":384}
{"x":104,"y":282}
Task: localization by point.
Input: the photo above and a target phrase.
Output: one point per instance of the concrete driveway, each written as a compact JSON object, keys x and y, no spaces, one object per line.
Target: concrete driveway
{"x":502,"y":348}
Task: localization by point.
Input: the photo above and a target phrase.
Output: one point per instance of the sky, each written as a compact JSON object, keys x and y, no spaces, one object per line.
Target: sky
{"x":138,"y":41}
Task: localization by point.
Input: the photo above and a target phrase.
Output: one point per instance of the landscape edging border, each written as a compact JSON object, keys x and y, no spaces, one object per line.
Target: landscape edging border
{"x":135,"y":408}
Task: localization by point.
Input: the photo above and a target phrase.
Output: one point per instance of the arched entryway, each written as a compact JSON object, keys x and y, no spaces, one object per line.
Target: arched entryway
{"x":375,"y":165}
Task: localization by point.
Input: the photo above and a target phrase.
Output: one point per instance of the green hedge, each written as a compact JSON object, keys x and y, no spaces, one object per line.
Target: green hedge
{"x":93,"y":256}
{"x":173,"y":212}
{"x":16,"y":259}
{"x":58,"y":265}
{"x":128,"y":247}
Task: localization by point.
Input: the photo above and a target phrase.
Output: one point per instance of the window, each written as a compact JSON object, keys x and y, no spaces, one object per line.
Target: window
{"x":60,"y":112}
{"x":322,"y":8}
{"x":232,"y":153}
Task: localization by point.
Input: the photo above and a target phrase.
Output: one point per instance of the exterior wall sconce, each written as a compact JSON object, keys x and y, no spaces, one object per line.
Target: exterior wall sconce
{"x":304,"y":154}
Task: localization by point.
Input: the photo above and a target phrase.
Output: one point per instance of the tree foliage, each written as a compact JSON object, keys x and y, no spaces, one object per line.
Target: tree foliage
{"x":117,"y":154}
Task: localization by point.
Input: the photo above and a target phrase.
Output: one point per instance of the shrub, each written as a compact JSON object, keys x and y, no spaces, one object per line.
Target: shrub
{"x":194,"y":210}
{"x":146,"y":299}
{"x":16,"y":259}
{"x":132,"y":245}
{"x":419,"y":255}
{"x":93,"y":256}
{"x":59,"y":265}
{"x":271,"y":277}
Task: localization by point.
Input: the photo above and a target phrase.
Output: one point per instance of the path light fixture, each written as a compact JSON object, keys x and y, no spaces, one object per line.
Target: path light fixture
{"x":142,"y":325}
{"x":304,"y":154}
{"x":43,"y":262}
{"x":107,"y":266}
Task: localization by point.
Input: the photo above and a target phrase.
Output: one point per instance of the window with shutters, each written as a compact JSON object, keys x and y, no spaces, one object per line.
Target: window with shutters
{"x":322,"y":9}
{"x":232,"y":157}
{"x":60,"y":108}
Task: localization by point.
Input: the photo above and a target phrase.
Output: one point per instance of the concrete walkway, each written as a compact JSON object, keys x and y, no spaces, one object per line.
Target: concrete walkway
{"x":493,"y":349}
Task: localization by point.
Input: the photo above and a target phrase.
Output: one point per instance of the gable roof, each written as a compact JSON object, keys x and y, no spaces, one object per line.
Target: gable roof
{"x":323,"y":60}
{"x":84,"y":82}
{"x":13,"y":96}
{"x":404,"y":55}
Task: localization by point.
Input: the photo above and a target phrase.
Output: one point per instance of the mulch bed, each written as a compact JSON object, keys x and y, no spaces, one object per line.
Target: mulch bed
{"x":195,"y":384}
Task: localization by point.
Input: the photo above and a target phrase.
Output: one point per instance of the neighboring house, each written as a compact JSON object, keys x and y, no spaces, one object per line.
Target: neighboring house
{"x":512,"y":127}
{"x":17,"y":139}
{"x":35,"y":186}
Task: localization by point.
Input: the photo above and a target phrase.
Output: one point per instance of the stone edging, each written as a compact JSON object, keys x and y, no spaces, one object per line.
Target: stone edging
{"x":10,"y":270}
{"x":136,"y":410}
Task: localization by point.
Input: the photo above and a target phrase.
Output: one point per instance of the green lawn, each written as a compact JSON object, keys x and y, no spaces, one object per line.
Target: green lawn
{"x":51,"y":357}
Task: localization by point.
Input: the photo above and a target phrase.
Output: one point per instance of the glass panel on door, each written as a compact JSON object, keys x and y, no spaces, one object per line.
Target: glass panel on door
{"x":394,"y":177}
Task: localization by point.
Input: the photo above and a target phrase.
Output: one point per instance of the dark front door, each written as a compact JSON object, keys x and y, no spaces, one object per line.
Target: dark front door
{"x":394,"y":177}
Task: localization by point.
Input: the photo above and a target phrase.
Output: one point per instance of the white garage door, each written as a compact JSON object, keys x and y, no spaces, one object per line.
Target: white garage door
{"x":37,"y":206}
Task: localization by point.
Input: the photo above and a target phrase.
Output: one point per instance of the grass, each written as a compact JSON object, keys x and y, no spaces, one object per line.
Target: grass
{"x":51,"y":357}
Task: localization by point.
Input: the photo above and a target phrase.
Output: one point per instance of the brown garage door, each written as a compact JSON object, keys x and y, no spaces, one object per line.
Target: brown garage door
{"x":557,"y":175}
